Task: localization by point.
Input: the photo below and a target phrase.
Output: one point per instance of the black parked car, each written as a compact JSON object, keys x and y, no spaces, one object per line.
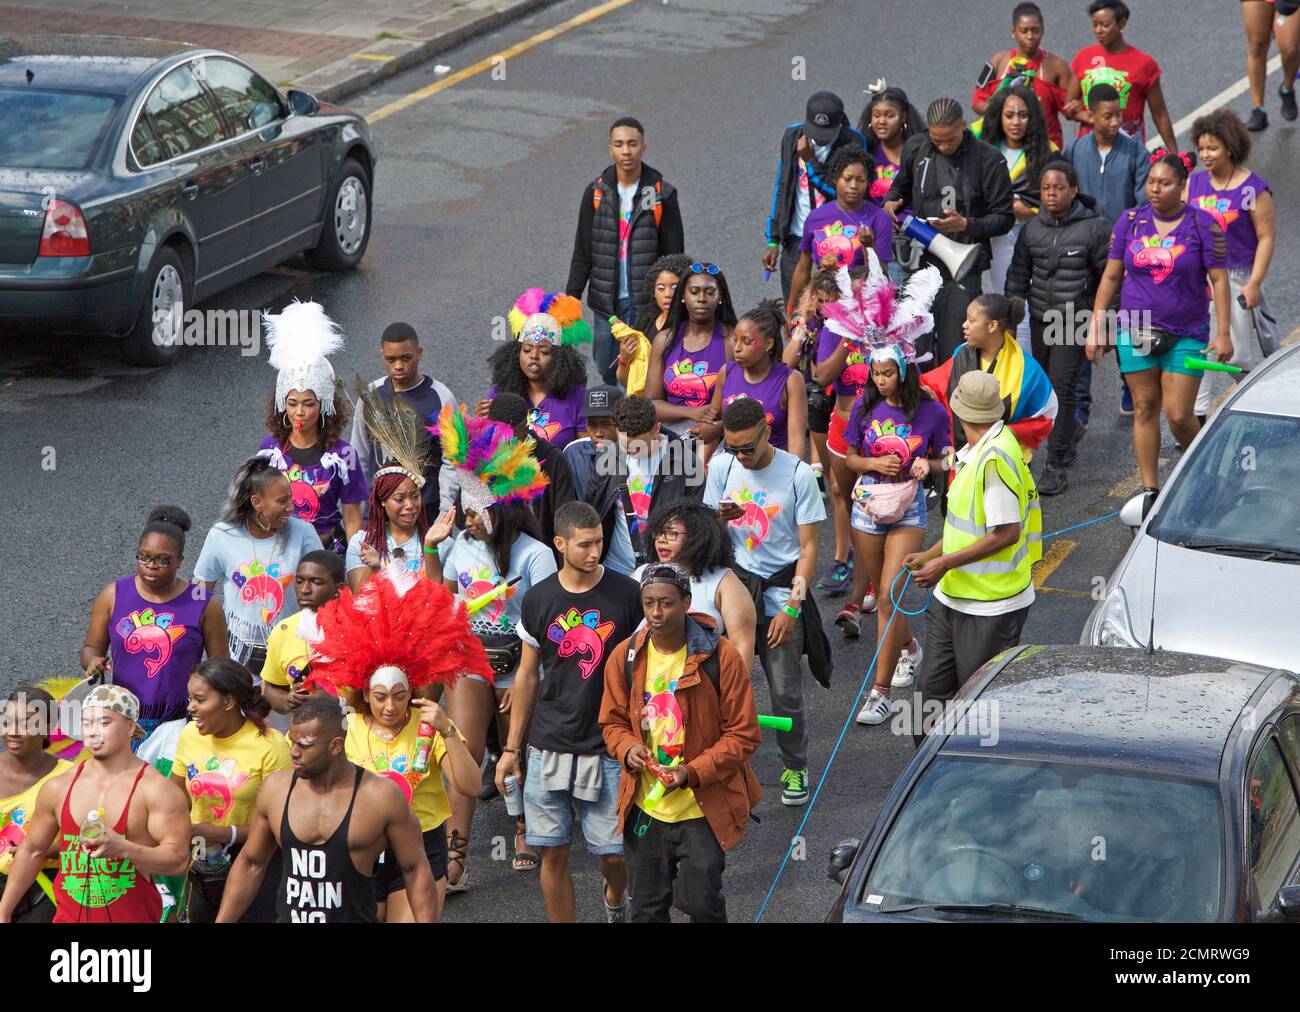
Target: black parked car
{"x":1093,"y":784}
{"x":136,"y":174}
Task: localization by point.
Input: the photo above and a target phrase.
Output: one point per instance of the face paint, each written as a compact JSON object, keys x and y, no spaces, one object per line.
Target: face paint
{"x":388,"y":678}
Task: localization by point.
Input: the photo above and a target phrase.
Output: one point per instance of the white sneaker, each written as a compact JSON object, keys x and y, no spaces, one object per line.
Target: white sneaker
{"x":869,"y":602}
{"x":908,"y":663}
{"x":875,"y":710}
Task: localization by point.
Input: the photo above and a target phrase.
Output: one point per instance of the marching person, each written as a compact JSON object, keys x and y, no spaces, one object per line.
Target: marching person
{"x":1259,"y":18}
{"x":512,"y":410}
{"x":345,"y":817}
{"x":150,"y":629}
{"x":600,"y":445}
{"x":570,"y":625}
{"x":770,"y":501}
{"x":304,"y":424}
{"x":400,"y":351}
{"x":1058,"y":262}
{"x":981,"y":569}
{"x":288,"y":653}
{"x":678,"y":715}
{"x":628,"y":218}
{"x":802,"y":183}
{"x":223,"y":756}
{"x":945,"y":160}
{"x":661,"y":282}
{"x":118,"y":820}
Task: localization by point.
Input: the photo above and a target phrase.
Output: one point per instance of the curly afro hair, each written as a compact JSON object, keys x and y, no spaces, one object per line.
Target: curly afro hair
{"x":568,"y":371}
{"x":706,"y":545}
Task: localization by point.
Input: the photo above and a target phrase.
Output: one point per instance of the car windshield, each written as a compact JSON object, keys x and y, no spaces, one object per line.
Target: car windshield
{"x":1238,"y":490}
{"x":1095,"y":843}
{"x":51,"y":129}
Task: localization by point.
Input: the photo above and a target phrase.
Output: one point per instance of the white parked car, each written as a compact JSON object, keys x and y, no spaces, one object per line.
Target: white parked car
{"x":1215,"y":566}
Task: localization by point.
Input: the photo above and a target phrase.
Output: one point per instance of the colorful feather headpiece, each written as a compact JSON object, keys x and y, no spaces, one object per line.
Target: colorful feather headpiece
{"x":549,"y":318}
{"x":299,"y":339}
{"x":871,"y":313}
{"x":492,"y":464}
{"x":398,"y":627}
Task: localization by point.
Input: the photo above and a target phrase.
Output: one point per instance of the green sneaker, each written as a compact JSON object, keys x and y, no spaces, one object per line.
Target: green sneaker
{"x":795,"y":784}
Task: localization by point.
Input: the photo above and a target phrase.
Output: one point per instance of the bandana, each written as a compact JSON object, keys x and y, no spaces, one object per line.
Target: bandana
{"x":117,"y":699}
{"x":666,"y":572}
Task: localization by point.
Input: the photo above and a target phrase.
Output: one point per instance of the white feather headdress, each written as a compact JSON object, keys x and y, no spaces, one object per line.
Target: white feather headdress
{"x":300,"y":338}
{"x":871,"y":313}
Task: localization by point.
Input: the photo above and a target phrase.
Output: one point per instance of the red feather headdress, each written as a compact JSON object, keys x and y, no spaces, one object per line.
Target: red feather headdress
{"x":395,"y":620}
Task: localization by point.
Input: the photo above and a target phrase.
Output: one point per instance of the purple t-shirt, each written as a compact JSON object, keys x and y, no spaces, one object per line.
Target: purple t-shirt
{"x":690,"y":376}
{"x":857,"y":370}
{"x":321,"y":482}
{"x":766,"y":391}
{"x":832,"y":230}
{"x":887,"y":430}
{"x":153,"y":647}
{"x":1166,"y":277}
{"x":1231,"y":210}
{"x":559,"y":421}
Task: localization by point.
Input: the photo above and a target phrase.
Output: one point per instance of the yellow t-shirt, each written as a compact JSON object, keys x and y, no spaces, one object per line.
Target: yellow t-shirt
{"x":424,"y":792}
{"x":223,"y":775}
{"x":286,"y":653}
{"x":666,"y":737}
{"x":16,"y":810}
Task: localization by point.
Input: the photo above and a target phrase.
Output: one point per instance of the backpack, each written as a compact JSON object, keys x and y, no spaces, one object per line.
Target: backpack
{"x":659,"y":203}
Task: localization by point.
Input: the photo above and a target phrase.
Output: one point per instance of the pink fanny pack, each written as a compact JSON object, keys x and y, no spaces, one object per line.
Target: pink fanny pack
{"x":885,"y":502}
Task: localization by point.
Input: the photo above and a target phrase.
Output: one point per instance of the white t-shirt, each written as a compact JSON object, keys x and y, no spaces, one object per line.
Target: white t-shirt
{"x":626,"y":194}
{"x":1000,"y":507}
{"x":803,"y":196}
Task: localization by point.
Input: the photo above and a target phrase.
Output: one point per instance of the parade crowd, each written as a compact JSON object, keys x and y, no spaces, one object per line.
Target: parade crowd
{"x":556,"y":593}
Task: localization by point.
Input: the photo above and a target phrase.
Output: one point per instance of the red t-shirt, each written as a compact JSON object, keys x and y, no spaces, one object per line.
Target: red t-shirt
{"x":1132,"y":73}
{"x":1050,"y":96}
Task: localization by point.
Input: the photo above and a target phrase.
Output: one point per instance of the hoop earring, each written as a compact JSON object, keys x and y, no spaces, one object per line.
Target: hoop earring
{"x":286,"y":421}
{"x":260,"y":522}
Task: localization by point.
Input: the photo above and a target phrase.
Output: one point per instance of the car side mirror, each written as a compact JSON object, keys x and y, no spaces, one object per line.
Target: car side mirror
{"x":1130,"y":515}
{"x":1288,"y":901}
{"x":262,"y":114}
{"x":842,"y":856}
{"x":302,"y":103}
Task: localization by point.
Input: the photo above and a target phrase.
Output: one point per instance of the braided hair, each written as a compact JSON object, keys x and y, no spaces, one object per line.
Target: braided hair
{"x":769,"y":317}
{"x":376,"y":535}
{"x":944,"y":112}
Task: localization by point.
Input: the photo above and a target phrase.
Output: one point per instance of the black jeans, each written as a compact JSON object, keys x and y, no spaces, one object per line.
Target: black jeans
{"x":1061,"y":361}
{"x":949,"y":310}
{"x":956,"y":646}
{"x":789,"y":261}
{"x":685,"y":854}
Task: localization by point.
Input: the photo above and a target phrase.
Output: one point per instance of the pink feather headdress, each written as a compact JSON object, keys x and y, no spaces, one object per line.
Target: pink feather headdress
{"x":871,"y":313}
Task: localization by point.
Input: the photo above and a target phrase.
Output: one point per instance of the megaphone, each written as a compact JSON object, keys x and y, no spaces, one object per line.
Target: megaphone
{"x":958,"y":257}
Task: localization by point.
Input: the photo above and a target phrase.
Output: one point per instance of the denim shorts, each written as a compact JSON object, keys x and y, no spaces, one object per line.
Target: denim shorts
{"x":548,"y":815}
{"x":915,"y":516}
{"x":1131,"y":360}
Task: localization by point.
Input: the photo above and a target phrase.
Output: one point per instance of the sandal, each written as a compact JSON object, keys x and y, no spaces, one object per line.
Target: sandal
{"x":523,"y":861}
{"x":456,"y":848}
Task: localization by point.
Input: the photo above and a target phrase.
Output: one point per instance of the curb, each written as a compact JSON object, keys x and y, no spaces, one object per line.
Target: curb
{"x":381,"y":60}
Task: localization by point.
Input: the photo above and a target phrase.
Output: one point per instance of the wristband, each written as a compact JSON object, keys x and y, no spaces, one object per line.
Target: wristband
{"x":774,"y":245}
{"x":430,"y":551}
{"x":792,"y":612}
{"x":516,"y":751}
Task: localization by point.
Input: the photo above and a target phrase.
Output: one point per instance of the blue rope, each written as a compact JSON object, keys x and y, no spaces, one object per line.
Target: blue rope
{"x":838,"y":741}
{"x":894,"y":599}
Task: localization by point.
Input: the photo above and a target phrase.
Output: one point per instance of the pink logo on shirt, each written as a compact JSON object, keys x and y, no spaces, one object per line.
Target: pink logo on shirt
{"x":1156,"y":253}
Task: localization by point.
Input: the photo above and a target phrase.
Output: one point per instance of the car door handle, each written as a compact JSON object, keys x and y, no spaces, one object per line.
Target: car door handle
{"x":256,"y":165}
{"x":191,"y":190}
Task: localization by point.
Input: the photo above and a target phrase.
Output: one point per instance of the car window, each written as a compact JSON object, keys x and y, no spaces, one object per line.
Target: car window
{"x":52,"y":129}
{"x":249,"y":101}
{"x":184,"y":119}
{"x":145,"y":144}
{"x":1238,"y":487}
{"x":1289,"y":732}
{"x":1273,"y":824}
{"x":1103,"y":844}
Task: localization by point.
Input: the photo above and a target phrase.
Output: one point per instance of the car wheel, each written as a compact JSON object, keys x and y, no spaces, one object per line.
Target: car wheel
{"x":166,"y":291}
{"x":345,"y":232}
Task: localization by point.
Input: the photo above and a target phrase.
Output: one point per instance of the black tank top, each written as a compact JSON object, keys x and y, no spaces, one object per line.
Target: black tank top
{"x":318,"y":882}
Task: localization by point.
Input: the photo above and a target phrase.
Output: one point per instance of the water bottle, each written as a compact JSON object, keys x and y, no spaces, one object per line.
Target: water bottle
{"x":514,"y":796}
{"x":423,"y":746}
{"x":92,"y":827}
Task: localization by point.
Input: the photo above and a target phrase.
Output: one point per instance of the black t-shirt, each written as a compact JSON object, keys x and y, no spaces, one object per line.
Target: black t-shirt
{"x":574,"y":633}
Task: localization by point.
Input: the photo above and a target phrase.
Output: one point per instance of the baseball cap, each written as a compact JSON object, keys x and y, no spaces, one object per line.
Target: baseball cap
{"x":117,"y":699}
{"x":824,"y":116}
{"x":602,"y":400}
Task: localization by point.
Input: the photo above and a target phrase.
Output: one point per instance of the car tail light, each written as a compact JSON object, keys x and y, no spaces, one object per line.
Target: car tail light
{"x":64,"y":234}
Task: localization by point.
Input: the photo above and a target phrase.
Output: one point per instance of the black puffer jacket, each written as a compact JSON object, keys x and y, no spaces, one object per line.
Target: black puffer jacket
{"x":656,"y":231}
{"x":1057,"y":262}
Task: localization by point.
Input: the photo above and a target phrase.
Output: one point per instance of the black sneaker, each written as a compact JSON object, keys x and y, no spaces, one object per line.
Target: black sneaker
{"x":489,"y":771}
{"x":1258,"y":120}
{"x":1288,"y":101}
{"x":1053,"y":481}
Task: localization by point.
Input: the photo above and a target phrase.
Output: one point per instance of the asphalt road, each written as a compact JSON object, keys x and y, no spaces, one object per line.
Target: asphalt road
{"x":476,"y":193}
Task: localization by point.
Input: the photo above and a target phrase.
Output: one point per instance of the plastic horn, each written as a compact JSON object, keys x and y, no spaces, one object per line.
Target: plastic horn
{"x":1203,"y":363}
{"x":483,"y":600}
{"x":656,"y":792}
{"x":779,"y":723}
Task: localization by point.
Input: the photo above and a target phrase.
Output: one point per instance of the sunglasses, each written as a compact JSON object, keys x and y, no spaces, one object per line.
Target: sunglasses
{"x":712,"y":269}
{"x":736,"y":451}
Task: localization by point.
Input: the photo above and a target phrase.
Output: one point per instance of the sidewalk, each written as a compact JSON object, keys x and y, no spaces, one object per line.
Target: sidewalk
{"x":331,"y":48}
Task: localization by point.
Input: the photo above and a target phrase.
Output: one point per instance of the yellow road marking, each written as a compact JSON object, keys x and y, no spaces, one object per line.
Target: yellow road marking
{"x":1053,"y":557}
{"x":1059,"y":590}
{"x":377,"y":57}
{"x":486,"y":64}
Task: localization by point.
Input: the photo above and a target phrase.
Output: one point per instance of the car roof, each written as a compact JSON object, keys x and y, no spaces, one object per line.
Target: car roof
{"x":102,"y":63}
{"x":1271,"y":390}
{"x":1159,"y":712}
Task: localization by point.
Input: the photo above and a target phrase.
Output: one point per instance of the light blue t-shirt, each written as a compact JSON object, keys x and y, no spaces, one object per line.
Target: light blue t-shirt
{"x":471,"y":564}
{"x":775,"y":500}
{"x":412,"y":552}
{"x":254,"y":576}
{"x":620,"y":557}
